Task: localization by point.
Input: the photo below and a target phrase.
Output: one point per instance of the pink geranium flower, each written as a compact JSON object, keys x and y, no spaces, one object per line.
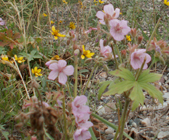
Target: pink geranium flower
{"x":50,"y":62}
{"x":82,"y":134}
{"x":79,"y":107}
{"x":119,"y":29}
{"x":106,"y":51}
{"x":108,"y":14}
{"x":82,"y":121}
{"x":61,"y":71}
{"x":137,"y":59}
{"x":2,"y":22}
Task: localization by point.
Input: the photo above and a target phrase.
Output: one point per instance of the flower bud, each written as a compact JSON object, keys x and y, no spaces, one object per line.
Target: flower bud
{"x":139,"y":39}
{"x":105,"y":43}
{"x":76,"y":52}
{"x":68,"y":42}
{"x":133,"y":32}
{"x":123,"y":52}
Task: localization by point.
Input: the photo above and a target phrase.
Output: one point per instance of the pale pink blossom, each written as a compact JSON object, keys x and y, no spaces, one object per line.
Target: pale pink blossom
{"x":90,"y":29}
{"x":119,"y":29}
{"x":61,"y":71}
{"x":2,"y":22}
{"x":50,"y":62}
{"x":82,"y":121}
{"x":82,"y":134}
{"x":108,"y":14}
{"x":105,"y":51}
{"x":34,"y":138}
{"x":137,"y":59}
{"x":79,"y":107}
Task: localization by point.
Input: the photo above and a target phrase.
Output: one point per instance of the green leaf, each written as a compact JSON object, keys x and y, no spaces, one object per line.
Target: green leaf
{"x":137,"y":96}
{"x":102,"y":88}
{"x":83,"y":71}
{"x":120,"y":87}
{"x":153,"y":91}
{"x":123,"y":73}
{"x":147,"y":77}
{"x":5,"y":134}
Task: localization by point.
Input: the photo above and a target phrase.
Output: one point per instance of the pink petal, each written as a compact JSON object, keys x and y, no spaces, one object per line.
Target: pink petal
{"x":68,"y":70}
{"x":100,"y":15}
{"x":62,"y":79}
{"x":87,"y":124}
{"x":117,"y":11}
{"x":126,"y":30}
{"x":101,"y":43}
{"x":53,"y":66}
{"x":113,"y":22}
{"x":62,"y":63}
{"x":80,"y":100}
{"x":53,"y":74}
{"x":108,"y":48}
{"x":102,"y":22}
{"x":109,"y":9}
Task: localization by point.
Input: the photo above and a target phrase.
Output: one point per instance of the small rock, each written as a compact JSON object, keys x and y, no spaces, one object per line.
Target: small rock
{"x":109,"y":130}
{"x":101,"y":110}
{"x":134,"y":124}
{"x":167,"y":118}
{"x":162,"y":134}
{"x":146,"y":122}
{"x":110,"y":107}
{"x":166,"y":95}
{"x":109,"y":137}
{"x":137,"y":121}
{"x":103,"y":75}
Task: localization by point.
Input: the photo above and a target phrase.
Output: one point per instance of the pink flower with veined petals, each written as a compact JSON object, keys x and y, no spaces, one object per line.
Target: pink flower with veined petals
{"x":82,"y":134}
{"x":119,"y":29}
{"x":137,"y":59}
{"x":106,"y":51}
{"x":79,"y":107}
{"x":108,"y":14}
{"x":50,"y":62}
{"x":82,"y":121}
{"x":61,"y":71}
{"x":2,"y":22}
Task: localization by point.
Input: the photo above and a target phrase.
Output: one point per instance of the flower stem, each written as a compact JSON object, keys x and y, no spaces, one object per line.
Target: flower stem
{"x":114,"y":56}
{"x":89,"y":79}
{"x":64,"y":116}
{"x":123,"y":118}
{"x":75,"y":75}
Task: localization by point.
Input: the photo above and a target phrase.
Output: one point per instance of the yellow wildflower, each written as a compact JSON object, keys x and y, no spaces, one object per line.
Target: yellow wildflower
{"x":64,"y":1}
{"x":128,"y":38}
{"x":166,"y":2}
{"x":120,"y":13}
{"x":60,"y":22}
{"x":52,"y":22}
{"x":100,"y":1}
{"x":56,"y":33}
{"x":86,"y":53}
{"x":36,"y":72}
{"x":56,"y":57}
{"x":5,"y":58}
{"x":19,"y":59}
{"x":45,"y":15}
{"x":72,"y":25}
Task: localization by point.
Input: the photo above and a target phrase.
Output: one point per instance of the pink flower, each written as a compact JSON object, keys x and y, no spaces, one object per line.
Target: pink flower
{"x":61,"y":71}
{"x":119,"y":29}
{"x":90,"y":29}
{"x":108,"y":14}
{"x":137,"y":59}
{"x":82,"y":134}
{"x":82,"y":121}
{"x":79,"y":107}
{"x":2,"y":22}
{"x":106,"y":51}
{"x":33,"y":138}
{"x":50,"y":62}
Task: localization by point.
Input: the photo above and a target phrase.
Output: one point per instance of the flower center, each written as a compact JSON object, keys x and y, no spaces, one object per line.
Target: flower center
{"x":118,"y":29}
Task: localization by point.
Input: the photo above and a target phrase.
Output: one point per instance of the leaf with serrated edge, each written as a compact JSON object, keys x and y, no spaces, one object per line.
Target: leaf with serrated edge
{"x":136,"y":95}
{"x":102,"y":88}
{"x":123,"y":73}
{"x":153,"y":91}
{"x":147,"y":77}
{"x":120,"y":87}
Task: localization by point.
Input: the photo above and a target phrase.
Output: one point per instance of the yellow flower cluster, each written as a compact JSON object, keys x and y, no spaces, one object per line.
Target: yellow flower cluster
{"x":56,"y":33}
{"x":56,"y":57}
{"x":72,"y":25}
{"x":86,"y":53}
{"x":166,"y":2}
{"x":128,"y":38}
{"x":45,"y":15}
{"x":52,"y":22}
{"x":36,"y":72}
{"x":19,"y":59}
{"x":64,"y":1}
{"x":5,"y":58}
{"x":100,"y":1}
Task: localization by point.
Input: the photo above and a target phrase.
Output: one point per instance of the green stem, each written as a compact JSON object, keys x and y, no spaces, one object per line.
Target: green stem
{"x":89,"y":79}
{"x":114,"y":56}
{"x":119,"y":54}
{"x":123,"y":118}
{"x":64,"y":115}
{"x":75,"y":75}
{"x":152,"y":35}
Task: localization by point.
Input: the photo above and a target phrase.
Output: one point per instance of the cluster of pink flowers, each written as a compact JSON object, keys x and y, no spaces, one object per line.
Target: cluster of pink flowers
{"x":60,"y":70}
{"x":118,"y":28}
{"x":82,"y":115}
